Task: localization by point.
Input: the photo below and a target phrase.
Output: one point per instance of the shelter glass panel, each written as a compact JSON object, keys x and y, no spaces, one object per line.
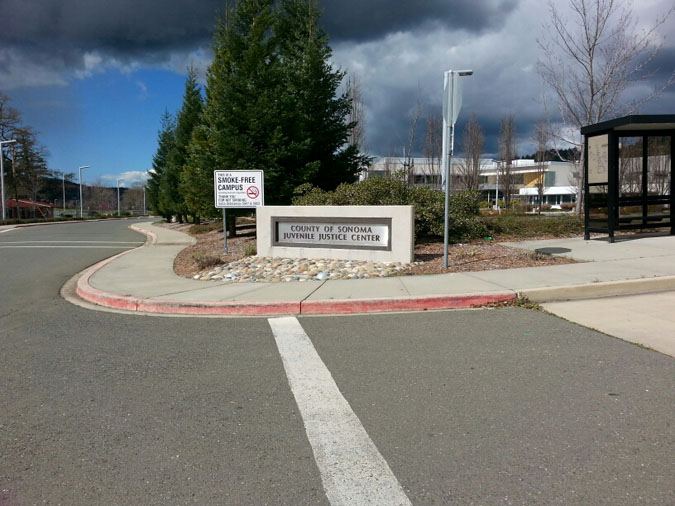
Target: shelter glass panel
{"x":658,"y":165}
{"x":598,"y":159}
{"x":598,"y":213}
{"x":630,"y":167}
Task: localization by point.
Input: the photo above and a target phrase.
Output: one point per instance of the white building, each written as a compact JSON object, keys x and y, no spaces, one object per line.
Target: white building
{"x":560,"y":185}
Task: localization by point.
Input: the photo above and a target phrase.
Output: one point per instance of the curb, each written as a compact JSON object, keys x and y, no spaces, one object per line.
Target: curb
{"x":601,"y":289}
{"x":351,"y":306}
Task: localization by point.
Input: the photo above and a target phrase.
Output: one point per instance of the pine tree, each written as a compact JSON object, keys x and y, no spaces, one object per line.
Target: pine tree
{"x":315,"y":116}
{"x":189,"y":117}
{"x":242,"y":94}
{"x":197,"y":177}
{"x":271,"y":99}
{"x":166,"y":139}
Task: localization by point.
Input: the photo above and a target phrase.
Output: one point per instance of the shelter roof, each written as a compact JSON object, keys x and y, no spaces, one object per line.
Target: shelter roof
{"x":640,"y":122}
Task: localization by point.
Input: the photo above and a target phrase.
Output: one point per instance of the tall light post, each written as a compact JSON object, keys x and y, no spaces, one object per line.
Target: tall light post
{"x":80,"y":171}
{"x":452,"y":103}
{"x":144,"y":211}
{"x":2,"y":176}
{"x":118,"y":194}
{"x":63,"y":187}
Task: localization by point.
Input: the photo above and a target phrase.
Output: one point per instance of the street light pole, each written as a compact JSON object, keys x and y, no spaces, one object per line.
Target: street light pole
{"x":144,"y":211}
{"x":2,"y":176}
{"x":80,"y":171}
{"x":118,"y":194}
{"x":63,"y":186}
{"x":452,"y":103}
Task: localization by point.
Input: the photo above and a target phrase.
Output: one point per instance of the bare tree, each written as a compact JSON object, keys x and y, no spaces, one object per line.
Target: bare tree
{"x":10,"y":118}
{"x":100,"y":198}
{"x":357,"y":113}
{"x":507,"y":153}
{"x":473,"y":140}
{"x":132,"y":199}
{"x":29,"y":166}
{"x":540,"y":158}
{"x":589,"y":60}
{"x":409,"y":148}
{"x":431,"y":150}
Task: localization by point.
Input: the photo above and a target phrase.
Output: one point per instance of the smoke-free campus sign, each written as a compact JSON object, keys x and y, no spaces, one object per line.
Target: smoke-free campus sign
{"x":238,"y":188}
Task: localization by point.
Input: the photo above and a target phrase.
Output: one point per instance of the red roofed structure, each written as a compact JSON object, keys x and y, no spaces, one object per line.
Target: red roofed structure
{"x":28,"y":209}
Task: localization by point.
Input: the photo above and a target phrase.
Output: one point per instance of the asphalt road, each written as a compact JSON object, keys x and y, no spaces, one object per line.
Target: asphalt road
{"x":504,"y":406}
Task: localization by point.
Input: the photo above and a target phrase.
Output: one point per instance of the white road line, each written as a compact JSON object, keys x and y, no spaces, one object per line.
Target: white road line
{"x":74,"y":242}
{"x":353,"y":471}
{"x":71,"y":247}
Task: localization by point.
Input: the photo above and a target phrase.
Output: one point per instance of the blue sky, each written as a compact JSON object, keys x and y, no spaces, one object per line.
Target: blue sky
{"x":93,"y":78}
{"x":108,"y":121}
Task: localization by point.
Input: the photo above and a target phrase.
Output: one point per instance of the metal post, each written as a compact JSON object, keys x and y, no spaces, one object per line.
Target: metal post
{"x":80,"y":171}
{"x":118,"y":195}
{"x":497,"y":192}
{"x":2,"y":177}
{"x":2,"y":181}
{"x":452,"y":103}
{"x":144,"y":211}
{"x":63,"y":185}
{"x":224,"y":231}
{"x":448,"y":178}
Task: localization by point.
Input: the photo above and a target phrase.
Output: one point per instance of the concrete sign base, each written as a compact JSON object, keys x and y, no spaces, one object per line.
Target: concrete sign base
{"x":372,"y":233}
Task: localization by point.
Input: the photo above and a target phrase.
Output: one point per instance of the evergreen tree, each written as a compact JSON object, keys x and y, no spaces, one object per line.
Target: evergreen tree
{"x":170,"y":197}
{"x":314,"y":115}
{"x":197,"y":177}
{"x":241,"y":113}
{"x":271,"y":99}
{"x":166,"y":140}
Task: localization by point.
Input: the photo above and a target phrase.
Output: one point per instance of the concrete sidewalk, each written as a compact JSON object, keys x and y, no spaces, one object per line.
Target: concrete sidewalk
{"x":143,"y":280}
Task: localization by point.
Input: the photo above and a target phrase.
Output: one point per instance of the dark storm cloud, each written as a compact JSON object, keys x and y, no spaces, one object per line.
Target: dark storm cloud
{"x":127,"y":29}
{"x":120,"y":27}
{"x":361,"y":20}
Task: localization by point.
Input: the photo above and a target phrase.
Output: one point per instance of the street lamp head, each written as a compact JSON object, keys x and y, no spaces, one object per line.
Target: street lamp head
{"x":465,"y":72}
{"x":83,"y":167}
{"x":12,"y":141}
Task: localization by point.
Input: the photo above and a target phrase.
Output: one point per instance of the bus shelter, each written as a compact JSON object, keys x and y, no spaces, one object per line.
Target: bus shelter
{"x":628,"y":169}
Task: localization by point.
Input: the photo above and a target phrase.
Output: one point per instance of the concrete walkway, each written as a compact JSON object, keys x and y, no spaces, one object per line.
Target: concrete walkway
{"x":647,"y":319}
{"x":143,"y":280}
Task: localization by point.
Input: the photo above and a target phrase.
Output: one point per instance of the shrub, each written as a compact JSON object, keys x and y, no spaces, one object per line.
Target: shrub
{"x":429,"y":205}
{"x":205,"y":261}
{"x":567,"y":206}
{"x":533,"y":225}
{"x":251,"y":250}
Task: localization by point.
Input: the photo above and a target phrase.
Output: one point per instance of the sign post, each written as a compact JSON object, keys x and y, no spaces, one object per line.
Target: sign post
{"x":452,"y":103}
{"x":237,"y":189}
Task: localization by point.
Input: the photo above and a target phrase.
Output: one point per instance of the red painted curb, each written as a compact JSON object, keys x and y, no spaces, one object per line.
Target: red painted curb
{"x":403,"y":304}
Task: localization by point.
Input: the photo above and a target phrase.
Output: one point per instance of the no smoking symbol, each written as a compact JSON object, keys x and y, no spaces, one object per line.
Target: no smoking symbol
{"x":252,"y":192}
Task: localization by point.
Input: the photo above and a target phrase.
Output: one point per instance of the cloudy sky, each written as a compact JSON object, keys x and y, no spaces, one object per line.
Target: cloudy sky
{"x":94,"y":76}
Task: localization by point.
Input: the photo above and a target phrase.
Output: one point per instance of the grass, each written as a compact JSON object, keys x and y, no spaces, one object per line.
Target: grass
{"x":206,"y":261}
{"x":531,"y":226}
{"x":204,"y":228}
